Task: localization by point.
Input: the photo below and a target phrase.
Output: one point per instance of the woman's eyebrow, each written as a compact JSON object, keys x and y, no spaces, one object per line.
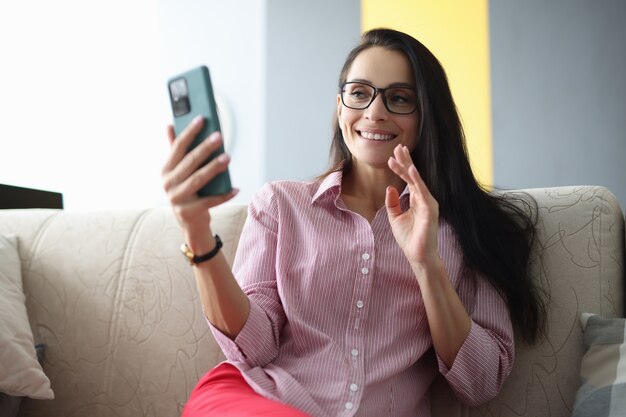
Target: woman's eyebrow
{"x":405,"y":85}
{"x":362,"y":80}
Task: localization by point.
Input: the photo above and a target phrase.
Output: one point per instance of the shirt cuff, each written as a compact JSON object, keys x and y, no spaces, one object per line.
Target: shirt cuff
{"x":477,"y":373}
{"x":254,"y":344}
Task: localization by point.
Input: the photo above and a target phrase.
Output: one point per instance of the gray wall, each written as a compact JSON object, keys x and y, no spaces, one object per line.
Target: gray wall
{"x":228,"y":37}
{"x":307,"y":43}
{"x":558,"y":71}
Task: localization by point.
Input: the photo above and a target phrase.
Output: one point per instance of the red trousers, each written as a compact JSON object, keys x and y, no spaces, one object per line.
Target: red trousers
{"x":223,"y":392}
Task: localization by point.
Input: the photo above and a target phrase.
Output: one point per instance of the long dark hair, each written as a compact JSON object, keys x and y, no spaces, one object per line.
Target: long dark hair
{"x":495,"y":230}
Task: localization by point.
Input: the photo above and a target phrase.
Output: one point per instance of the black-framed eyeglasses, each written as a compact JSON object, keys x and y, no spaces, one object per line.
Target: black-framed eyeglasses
{"x":398,"y":100}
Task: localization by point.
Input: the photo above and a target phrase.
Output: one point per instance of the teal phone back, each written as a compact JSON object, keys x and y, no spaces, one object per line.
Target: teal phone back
{"x":201,"y":101}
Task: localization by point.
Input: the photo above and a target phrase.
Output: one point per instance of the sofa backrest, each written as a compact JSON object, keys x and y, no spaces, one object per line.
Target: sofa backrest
{"x":115,"y":303}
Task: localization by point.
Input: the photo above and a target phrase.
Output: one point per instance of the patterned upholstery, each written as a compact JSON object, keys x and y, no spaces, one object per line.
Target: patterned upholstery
{"x":579,"y":260}
{"x":115,"y":303}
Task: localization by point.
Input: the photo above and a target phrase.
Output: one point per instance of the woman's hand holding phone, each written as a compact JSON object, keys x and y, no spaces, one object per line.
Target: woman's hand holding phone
{"x":224,"y":303}
{"x":183,"y":175}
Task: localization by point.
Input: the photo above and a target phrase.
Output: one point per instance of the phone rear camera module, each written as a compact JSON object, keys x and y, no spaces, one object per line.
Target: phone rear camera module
{"x":179,"y":96}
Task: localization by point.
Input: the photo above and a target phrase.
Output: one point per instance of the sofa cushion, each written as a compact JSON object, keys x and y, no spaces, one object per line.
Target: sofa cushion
{"x":20,"y":373}
{"x":603,"y":368}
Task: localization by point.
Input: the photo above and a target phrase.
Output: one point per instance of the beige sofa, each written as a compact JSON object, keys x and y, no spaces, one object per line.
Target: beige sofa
{"x":115,"y":303}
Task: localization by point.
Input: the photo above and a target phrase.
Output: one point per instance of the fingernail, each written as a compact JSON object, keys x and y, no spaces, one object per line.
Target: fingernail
{"x":214,"y":138}
{"x":223,"y":158}
{"x":197,"y":119}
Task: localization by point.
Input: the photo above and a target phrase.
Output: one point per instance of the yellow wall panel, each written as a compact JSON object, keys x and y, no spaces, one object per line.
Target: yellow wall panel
{"x":457,"y":32}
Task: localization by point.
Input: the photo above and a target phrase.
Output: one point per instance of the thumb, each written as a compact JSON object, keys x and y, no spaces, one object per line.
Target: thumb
{"x":392,"y":202}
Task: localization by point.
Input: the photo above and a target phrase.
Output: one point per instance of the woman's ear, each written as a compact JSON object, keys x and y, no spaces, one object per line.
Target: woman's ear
{"x":339,"y":107}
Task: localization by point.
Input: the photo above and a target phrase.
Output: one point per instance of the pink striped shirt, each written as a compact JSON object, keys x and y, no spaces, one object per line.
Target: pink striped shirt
{"x":337,"y":324}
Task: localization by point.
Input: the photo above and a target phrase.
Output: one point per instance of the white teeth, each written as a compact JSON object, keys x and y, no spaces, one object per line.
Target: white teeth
{"x":376,"y":136}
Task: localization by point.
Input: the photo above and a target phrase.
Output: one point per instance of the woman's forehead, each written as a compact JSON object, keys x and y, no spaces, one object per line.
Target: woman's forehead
{"x":381,"y":67}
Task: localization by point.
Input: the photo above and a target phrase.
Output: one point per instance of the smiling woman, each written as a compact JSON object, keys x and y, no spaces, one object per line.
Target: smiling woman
{"x":370,"y":129}
{"x":350,"y":293}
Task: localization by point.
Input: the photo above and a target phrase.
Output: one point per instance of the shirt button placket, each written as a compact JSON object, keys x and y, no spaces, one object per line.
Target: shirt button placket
{"x":353,"y":388}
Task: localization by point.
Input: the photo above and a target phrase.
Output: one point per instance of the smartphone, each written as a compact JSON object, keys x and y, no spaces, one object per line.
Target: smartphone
{"x":191,"y":94}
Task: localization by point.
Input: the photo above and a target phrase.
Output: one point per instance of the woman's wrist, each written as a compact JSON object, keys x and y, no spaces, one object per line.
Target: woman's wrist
{"x":200,"y":242}
{"x":429,"y":270}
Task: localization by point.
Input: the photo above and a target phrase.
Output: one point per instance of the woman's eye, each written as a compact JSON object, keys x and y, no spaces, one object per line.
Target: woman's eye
{"x":359,"y":95}
{"x":401,"y":98}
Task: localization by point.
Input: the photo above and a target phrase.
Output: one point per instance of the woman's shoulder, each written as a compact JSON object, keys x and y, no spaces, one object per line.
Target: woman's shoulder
{"x":288,"y":191}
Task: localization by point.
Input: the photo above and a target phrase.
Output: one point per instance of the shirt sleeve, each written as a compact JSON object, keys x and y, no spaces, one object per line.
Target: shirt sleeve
{"x":254,"y":268}
{"x":486,"y":357}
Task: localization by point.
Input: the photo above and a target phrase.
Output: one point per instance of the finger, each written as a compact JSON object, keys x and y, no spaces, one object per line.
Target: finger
{"x":397,"y":153}
{"x":416,"y":179}
{"x":399,"y":169}
{"x":170,"y":134}
{"x":187,"y":189}
{"x":402,"y":164}
{"x":407,"y":156}
{"x":423,"y":193}
{"x":193,"y":160}
{"x":402,"y":155}
{"x":392,"y":202}
{"x":407,"y":163}
{"x":216,"y":200}
{"x":182,"y":142}
{"x":419,"y":194}
{"x":403,"y":170}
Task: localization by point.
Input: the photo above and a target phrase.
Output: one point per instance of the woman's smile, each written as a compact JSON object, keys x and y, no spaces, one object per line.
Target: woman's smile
{"x":376,"y":135}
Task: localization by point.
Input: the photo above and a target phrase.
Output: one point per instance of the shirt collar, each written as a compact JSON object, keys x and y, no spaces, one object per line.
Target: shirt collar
{"x":331,"y":184}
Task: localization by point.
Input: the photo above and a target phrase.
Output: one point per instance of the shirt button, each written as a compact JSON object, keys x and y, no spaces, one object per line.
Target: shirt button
{"x":354,"y":352}
{"x":365,"y":271}
{"x":359,"y":304}
{"x":349,"y":406}
{"x":354,"y":387}
{"x":365,"y":256}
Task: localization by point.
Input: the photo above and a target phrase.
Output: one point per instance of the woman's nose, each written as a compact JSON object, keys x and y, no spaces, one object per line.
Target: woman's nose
{"x":377,"y":109}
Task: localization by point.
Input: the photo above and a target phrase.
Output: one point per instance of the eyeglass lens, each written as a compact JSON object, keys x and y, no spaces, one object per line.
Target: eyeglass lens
{"x":401,"y":100}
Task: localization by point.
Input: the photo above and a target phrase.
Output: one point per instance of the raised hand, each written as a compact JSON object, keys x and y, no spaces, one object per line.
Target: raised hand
{"x":416,"y":229}
{"x":182,"y":178}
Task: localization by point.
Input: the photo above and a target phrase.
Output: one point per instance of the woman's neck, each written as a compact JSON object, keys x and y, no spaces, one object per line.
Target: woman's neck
{"x":363,"y":188}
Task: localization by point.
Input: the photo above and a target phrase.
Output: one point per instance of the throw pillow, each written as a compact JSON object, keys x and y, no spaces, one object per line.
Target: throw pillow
{"x":20,"y":373}
{"x":603,"y":368}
